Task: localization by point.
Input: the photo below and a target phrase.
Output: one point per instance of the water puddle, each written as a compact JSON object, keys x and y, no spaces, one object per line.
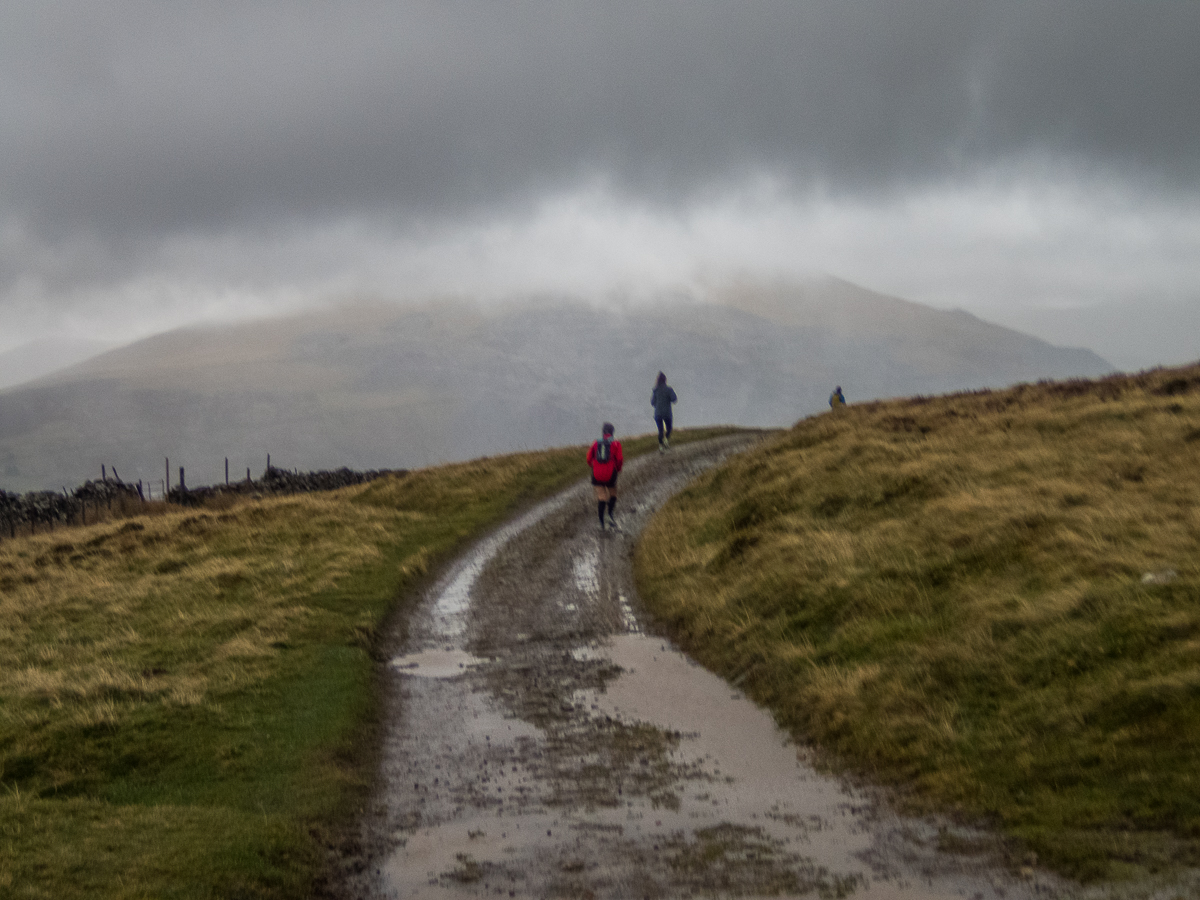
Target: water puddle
{"x":757,"y":779}
{"x":447,"y":663}
{"x":751,"y":782}
{"x":585,"y":569}
{"x":482,"y":811}
{"x":585,"y":572}
{"x":628,"y":619}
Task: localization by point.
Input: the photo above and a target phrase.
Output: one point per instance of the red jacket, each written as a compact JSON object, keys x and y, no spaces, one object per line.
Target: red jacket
{"x":604,"y":471}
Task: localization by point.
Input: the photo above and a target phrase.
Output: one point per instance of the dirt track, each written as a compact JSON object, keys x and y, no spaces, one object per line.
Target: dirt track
{"x":542,"y":744}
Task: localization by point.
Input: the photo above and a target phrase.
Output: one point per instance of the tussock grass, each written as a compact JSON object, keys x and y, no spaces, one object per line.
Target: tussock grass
{"x":990,"y":599}
{"x":187,"y":697}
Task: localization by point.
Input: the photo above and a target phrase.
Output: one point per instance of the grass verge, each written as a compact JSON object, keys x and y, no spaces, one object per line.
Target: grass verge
{"x":990,"y":599}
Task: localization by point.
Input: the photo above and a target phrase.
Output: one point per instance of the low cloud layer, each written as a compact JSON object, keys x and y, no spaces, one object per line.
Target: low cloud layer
{"x":162,"y":165}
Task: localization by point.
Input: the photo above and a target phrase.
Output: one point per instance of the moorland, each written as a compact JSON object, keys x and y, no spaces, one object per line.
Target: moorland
{"x":988,"y":600}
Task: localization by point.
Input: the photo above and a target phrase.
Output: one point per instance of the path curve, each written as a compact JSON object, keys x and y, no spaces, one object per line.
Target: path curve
{"x":542,"y":744}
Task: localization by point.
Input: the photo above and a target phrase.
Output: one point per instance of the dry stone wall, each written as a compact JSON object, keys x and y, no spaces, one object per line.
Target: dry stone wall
{"x":44,"y":510}
{"x":277,"y":481}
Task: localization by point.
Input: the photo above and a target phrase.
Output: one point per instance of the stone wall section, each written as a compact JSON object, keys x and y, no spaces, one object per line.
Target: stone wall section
{"x":45,"y":510}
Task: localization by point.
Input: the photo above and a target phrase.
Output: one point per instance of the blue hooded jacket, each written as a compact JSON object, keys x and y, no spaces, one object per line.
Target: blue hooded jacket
{"x":661,"y":399}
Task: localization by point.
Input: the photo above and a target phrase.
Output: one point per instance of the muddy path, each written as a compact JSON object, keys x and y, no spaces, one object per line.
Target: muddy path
{"x":542,"y":743}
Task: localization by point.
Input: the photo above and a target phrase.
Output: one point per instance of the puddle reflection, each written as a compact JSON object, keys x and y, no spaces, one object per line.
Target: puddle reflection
{"x":436,"y":663}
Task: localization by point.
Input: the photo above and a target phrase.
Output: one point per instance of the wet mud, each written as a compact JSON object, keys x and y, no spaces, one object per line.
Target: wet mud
{"x":541,"y":743}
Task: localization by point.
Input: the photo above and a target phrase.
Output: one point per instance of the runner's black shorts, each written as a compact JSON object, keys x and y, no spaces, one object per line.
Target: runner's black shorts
{"x":611,"y":483}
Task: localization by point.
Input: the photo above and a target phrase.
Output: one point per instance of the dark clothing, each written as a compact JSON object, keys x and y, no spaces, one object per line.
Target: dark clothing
{"x":661,"y":399}
{"x":664,"y":424}
{"x":605,"y":473}
{"x":608,"y":505}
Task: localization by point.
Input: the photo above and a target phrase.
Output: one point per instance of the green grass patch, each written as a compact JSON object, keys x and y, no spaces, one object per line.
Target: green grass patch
{"x":990,"y":599}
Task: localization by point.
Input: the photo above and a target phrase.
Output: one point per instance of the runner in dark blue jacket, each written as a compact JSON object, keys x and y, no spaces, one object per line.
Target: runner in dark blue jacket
{"x":661,"y":399}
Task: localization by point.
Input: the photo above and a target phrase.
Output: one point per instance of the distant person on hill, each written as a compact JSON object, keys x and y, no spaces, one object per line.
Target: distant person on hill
{"x":837,"y":399}
{"x":661,"y":399}
{"x":606,"y":458}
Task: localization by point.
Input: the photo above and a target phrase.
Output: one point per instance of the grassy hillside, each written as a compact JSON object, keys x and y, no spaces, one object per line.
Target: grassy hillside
{"x":185,"y":697}
{"x":990,"y":599}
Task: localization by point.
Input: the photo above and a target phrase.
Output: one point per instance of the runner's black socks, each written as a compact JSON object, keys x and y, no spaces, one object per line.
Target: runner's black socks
{"x":600,"y":508}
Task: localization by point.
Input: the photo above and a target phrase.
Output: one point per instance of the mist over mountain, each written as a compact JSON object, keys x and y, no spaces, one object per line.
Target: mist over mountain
{"x":37,"y":358}
{"x":402,"y":387}
{"x":1137,"y":334}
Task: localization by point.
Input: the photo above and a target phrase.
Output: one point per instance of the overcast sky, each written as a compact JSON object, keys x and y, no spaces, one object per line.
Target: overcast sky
{"x":1037,"y":163}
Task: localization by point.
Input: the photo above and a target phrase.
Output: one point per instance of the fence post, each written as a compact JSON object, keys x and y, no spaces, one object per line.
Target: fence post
{"x":227,"y":470}
{"x":103,"y":473}
{"x":167,"y":481}
{"x":182,"y":485}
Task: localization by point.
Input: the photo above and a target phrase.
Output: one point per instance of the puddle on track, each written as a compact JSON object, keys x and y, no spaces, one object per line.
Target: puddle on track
{"x":436,"y":663}
{"x":753,"y":781}
{"x":585,"y":569}
{"x":757,"y":777}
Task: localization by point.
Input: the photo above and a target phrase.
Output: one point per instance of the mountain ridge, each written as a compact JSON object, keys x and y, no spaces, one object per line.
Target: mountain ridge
{"x":379,"y":386}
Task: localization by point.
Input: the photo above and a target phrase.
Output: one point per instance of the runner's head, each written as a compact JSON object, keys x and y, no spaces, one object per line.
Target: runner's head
{"x":662,"y":379}
{"x":607,"y":430}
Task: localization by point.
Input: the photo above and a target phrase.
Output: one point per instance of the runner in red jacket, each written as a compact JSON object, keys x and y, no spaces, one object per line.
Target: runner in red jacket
{"x":606,"y":458}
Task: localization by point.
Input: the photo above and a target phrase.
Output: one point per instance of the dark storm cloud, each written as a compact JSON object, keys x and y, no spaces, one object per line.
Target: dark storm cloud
{"x":149,"y":118}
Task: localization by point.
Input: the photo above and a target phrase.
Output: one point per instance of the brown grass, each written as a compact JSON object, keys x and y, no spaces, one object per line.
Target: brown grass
{"x":947,"y":594}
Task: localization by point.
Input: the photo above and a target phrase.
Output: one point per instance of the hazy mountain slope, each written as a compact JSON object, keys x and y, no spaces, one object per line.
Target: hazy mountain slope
{"x":889,"y":338}
{"x":39,"y":358}
{"x":1137,"y":333}
{"x":388,"y":387}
